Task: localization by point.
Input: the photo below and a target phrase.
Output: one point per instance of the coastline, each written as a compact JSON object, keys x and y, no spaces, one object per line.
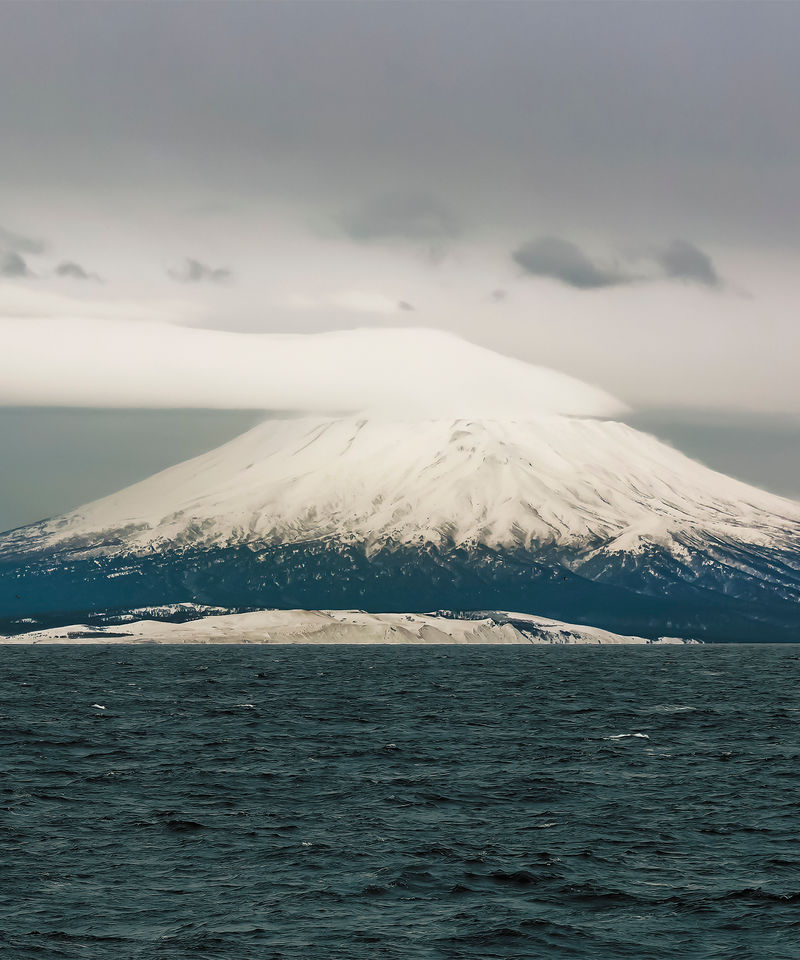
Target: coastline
{"x":329,"y":627}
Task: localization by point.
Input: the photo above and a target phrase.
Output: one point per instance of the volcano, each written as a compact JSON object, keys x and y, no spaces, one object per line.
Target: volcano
{"x":548,"y":509}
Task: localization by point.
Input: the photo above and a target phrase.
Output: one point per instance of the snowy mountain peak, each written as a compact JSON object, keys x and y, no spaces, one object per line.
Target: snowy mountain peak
{"x":581,"y":485}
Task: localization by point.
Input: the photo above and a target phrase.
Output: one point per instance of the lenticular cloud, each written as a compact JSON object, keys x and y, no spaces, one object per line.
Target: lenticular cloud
{"x":408,"y":373}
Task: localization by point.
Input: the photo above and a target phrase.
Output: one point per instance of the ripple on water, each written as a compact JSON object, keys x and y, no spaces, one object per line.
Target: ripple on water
{"x":362,"y":803}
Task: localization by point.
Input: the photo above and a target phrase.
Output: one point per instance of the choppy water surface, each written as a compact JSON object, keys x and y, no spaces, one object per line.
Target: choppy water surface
{"x":302,"y":802}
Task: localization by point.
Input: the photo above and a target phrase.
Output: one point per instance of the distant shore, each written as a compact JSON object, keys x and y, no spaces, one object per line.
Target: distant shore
{"x":338,"y":627}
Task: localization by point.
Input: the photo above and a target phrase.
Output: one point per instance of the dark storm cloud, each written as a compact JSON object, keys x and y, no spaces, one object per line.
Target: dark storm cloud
{"x":565,"y":261}
{"x":682,"y":260}
{"x":12,"y":264}
{"x":400,"y":216}
{"x":68,"y":268}
{"x":193,"y":271}
{"x":17,"y":243}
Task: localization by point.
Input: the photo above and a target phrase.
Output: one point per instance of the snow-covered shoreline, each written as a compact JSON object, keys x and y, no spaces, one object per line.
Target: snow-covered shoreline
{"x":335,"y":627}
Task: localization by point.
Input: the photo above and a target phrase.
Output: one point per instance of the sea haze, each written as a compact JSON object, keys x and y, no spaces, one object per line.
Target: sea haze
{"x":404,"y":803}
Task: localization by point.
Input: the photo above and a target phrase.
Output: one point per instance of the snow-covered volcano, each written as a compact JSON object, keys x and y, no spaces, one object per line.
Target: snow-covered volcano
{"x":582,"y":487}
{"x":548,"y":510}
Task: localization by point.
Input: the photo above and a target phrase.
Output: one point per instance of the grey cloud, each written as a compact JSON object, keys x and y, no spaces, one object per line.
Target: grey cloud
{"x":498,"y":296}
{"x":17,"y":243}
{"x":523,"y":118}
{"x":404,"y":305}
{"x":68,"y":268}
{"x":682,"y":260}
{"x":12,"y":264}
{"x":400,"y":216}
{"x":193,"y":271}
{"x":563,"y":260}
{"x":515,"y":110}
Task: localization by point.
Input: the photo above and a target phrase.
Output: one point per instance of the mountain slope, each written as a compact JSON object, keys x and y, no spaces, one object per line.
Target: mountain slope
{"x":584,"y":486}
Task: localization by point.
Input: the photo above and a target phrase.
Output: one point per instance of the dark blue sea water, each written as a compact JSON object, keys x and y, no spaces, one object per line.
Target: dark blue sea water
{"x":400,"y":802}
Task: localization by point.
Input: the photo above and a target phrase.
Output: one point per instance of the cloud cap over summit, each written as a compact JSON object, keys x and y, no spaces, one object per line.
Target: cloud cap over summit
{"x":401,"y":373}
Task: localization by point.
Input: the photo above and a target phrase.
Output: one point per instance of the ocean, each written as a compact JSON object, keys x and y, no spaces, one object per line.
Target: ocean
{"x":316,"y":803}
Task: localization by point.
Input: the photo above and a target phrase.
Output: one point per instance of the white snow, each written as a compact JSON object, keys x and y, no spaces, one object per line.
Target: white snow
{"x":389,"y":372}
{"x":584,"y":484}
{"x":560,"y":632}
{"x":329,"y":626}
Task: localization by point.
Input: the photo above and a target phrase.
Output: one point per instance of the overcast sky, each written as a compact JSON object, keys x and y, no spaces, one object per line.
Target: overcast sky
{"x":609,"y":189}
